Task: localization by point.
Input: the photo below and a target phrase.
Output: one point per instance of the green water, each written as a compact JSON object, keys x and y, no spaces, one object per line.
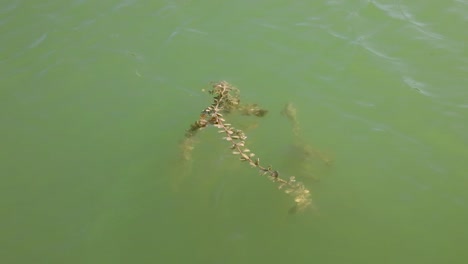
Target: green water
{"x":96,"y":95}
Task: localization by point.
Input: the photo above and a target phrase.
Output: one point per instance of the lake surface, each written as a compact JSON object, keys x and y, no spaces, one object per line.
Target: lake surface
{"x":96,"y":97}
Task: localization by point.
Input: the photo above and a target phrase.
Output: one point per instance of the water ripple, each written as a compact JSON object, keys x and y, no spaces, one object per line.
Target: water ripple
{"x":9,"y":8}
{"x":38,"y":41}
{"x":123,"y":4}
{"x":378,"y":53}
{"x":402,"y":13}
{"x":416,"y":85}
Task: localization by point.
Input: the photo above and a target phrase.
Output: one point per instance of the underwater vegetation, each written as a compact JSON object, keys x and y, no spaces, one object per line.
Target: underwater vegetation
{"x":225,"y":101}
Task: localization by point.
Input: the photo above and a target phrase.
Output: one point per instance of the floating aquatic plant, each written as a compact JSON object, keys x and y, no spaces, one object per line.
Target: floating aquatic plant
{"x":226,"y":100}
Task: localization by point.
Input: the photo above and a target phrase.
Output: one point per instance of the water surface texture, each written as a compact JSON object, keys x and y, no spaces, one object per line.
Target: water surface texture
{"x":95,"y":98}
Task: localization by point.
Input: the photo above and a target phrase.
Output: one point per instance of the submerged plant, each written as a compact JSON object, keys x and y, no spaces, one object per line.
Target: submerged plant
{"x":226,"y":100}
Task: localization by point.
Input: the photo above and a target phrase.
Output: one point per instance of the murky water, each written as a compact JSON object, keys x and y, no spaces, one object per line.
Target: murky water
{"x":96,"y":96}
